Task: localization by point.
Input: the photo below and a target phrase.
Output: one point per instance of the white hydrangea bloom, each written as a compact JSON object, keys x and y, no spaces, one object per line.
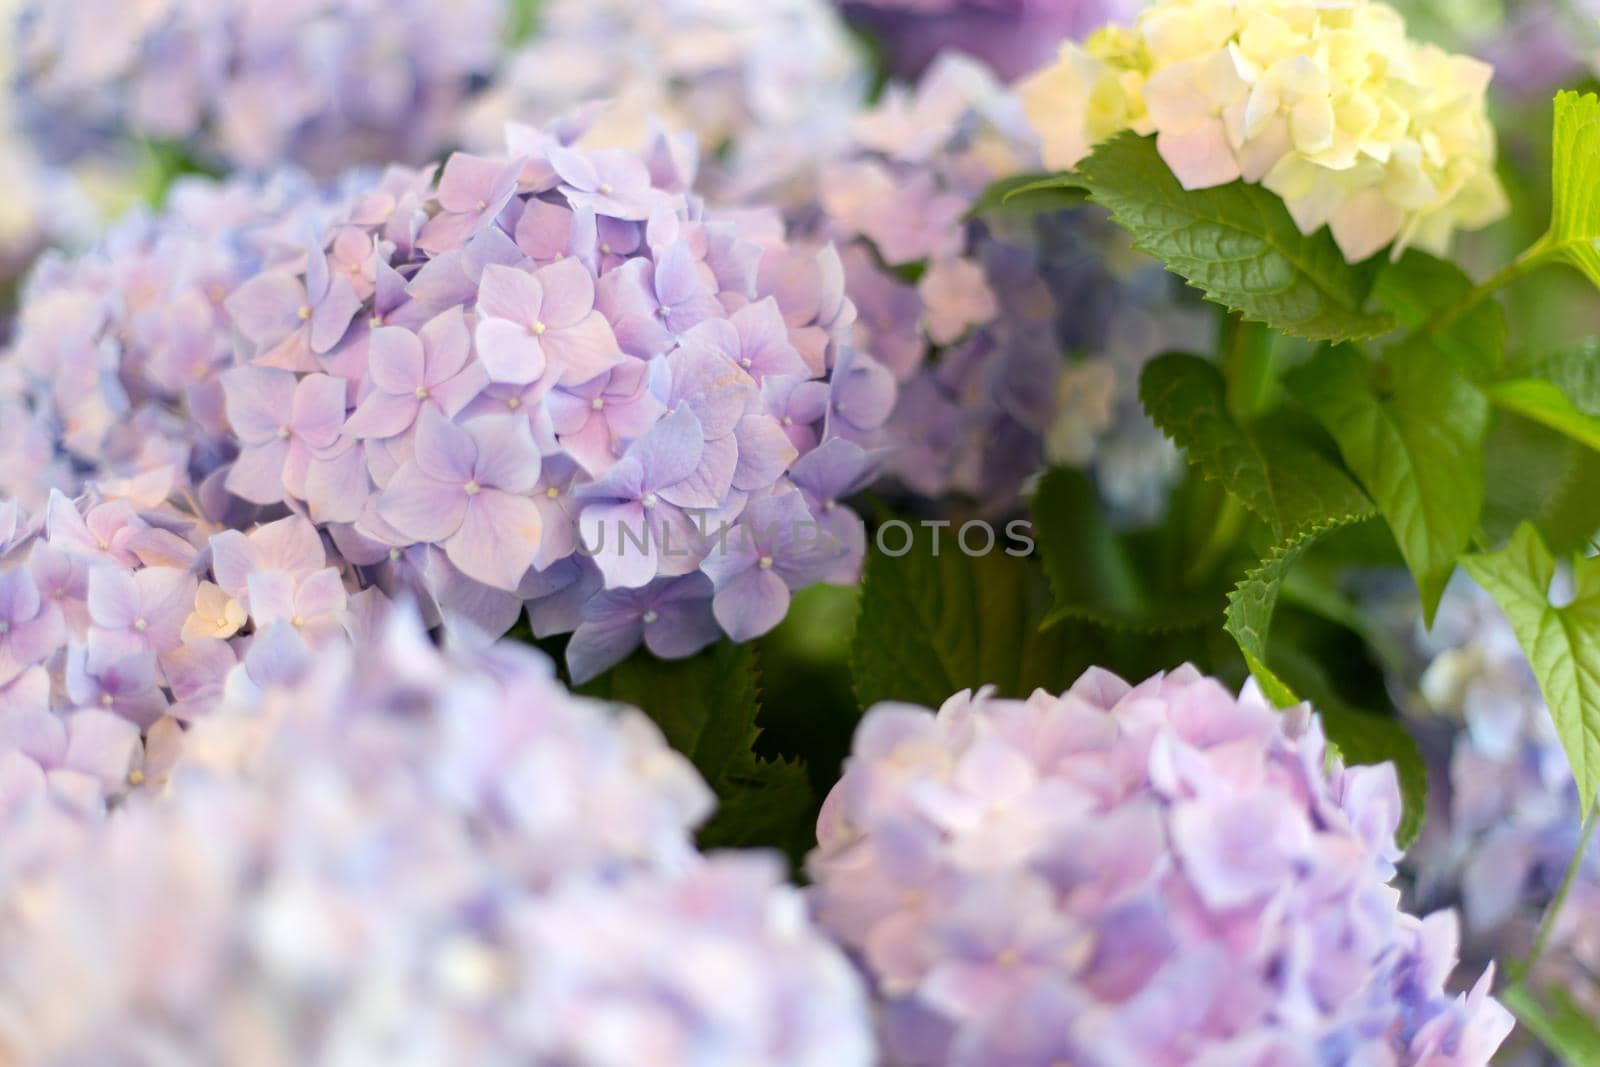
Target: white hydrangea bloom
{"x":1328,"y":104}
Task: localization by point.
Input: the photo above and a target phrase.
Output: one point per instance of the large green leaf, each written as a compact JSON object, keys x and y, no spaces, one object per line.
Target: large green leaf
{"x":1254,"y":600}
{"x":1557,"y":1021}
{"x":1271,"y":465}
{"x":706,"y":706}
{"x":932,"y":625}
{"x":1412,"y":431}
{"x":1236,"y":243}
{"x":1562,"y":643}
{"x":1575,"y":219}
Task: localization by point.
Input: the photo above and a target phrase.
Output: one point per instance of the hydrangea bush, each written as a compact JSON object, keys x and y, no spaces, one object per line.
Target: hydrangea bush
{"x":322,"y":83}
{"x":776,"y":400}
{"x":441,"y":857}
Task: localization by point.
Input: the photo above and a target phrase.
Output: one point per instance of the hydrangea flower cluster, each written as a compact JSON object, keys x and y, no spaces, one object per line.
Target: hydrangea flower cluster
{"x":1506,"y":818}
{"x":114,"y":367}
{"x":1155,"y":874}
{"x":977,"y":338}
{"x":1012,"y":37}
{"x":1379,"y":138}
{"x":766,"y":87}
{"x":414,"y":857}
{"x":323,"y":83}
{"x":551,"y":378}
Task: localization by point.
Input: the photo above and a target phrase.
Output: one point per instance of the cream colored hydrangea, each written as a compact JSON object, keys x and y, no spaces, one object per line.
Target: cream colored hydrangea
{"x":1328,"y":104}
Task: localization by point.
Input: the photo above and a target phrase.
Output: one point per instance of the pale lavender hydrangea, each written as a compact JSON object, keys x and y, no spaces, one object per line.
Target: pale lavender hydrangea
{"x":1506,"y":816}
{"x":1018,"y":340}
{"x":1162,"y":874}
{"x":253,"y":83}
{"x":409,"y":856}
{"x":1012,"y":37}
{"x":531,"y":379}
{"x":114,"y":367}
{"x":765,"y":87}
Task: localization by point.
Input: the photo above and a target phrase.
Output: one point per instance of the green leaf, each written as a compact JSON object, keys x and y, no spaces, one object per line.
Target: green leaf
{"x":1561,"y":643}
{"x":1236,"y":243}
{"x":933,"y":625}
{"x":1574,"y":235}
{"x":1415,"y":443}
{"x":1255,"y":598}
{"x":1545,"y":403}
{"x":1034,"y":194}
{"x":1575,"y":371}
{"x":1563,"y":1026}
{"x":706,"y":706}
{"x":1269,"y":464}
{"x":1419,"y":285}
{"x":1092,"y":572}
{"x":1534,"y":474}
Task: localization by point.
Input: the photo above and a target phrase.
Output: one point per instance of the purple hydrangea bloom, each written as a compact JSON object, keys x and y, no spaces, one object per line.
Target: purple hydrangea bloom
{"x":1013,"y":37}
{"x":323,"y":83}
{"x":626,"y":338}
{"x":441,"y":853}
{"x":1021,"y":340}
{"x":1156,"y":874}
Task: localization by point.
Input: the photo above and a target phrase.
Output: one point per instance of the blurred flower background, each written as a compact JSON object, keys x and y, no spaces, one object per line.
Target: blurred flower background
{"x":230,"y":224}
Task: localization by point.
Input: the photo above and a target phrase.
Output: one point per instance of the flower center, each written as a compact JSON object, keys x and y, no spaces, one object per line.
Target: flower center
{"x":597,"y":404}
{"x":537,"y":328}
{"x":765,"y":563}
{"x":472,"y":488}
{"x":106,"y":700}
{"x":552,"y":492}
{"x":787,"y":421}
{"x":140,"y":625}
{"x":304,"y":312}
{"x":648,"y":500}
{"x":283,"y":433}
{"x":136,"y":777}
{"x":422,"y":392}
{"x":650,"y":616}
{"x":745,"y":363}
{"x":513,"y":402}
{"x":605,"y":188}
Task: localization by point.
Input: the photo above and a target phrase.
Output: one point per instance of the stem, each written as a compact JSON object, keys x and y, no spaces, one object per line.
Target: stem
{"x":1547,"y":925}
{"x":1246,"y":354}
{"x":1532,"y":258}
